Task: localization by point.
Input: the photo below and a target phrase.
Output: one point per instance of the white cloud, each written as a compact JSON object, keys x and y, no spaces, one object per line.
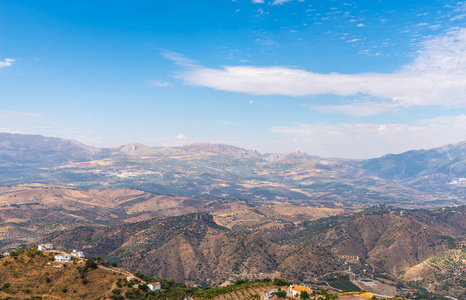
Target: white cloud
{"x":158,"y":83}
{"x":257,"y":1}
{"x":365,"y":140}
{"x":280,"y":2}
{"x":7,"y":62}
{"x":437,"y":76}
{"x":181,"y":136}
{"x":357,"y":109}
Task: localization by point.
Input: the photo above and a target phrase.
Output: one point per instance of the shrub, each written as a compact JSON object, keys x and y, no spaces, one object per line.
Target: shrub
{"x":143,"y":287}
{"x":116,"y":291}
{"x":280,"y":282}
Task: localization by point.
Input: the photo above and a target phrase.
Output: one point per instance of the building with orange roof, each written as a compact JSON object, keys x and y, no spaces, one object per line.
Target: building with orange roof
{"x":296,"y":290}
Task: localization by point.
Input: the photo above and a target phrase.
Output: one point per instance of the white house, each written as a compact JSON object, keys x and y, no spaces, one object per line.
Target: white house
{"x":295,"y":290}
{"x":77,"y":253}
{"x":154,"y":286}
{"x":63,"y":257}
{"x":45,"y":247}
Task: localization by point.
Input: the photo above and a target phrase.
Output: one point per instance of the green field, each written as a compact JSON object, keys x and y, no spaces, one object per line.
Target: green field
{"x":345,"y":285}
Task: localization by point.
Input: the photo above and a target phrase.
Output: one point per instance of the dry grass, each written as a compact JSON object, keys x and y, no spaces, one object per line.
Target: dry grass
{"x":39,"y":276}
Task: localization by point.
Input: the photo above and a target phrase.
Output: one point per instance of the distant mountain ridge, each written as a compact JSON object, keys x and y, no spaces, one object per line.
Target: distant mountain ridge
{"x":39,"y":149}
{"x":193,"y":149}
{"x":431,"y":177}
{"x":447,"y":160}
{"x":13,"y":143}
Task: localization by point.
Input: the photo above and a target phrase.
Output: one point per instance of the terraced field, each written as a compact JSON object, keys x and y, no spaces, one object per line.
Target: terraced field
{"x":345,"y":285}
{"x":245,"y":291}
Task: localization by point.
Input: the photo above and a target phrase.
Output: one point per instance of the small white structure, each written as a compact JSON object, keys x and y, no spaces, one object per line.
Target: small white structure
{"x":154,"y":286}
{"x":45,"y":247}
{"x":77,"y":253}
{"x":63,"y":257}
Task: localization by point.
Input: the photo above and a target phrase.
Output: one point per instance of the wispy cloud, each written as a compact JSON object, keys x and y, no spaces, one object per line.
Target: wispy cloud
{"x":158,"y":83}
{"x":7,"y":62}
{"x":279,"y":2}
{"x":357,"y":109}
{"x":437,"y":76}
{"x":364,"y":140}
{"x":181,"y":136}
{"x":257,"y":1}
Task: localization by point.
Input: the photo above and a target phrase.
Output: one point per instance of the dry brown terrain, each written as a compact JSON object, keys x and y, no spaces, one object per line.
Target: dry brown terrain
{"x":28,"y":212}
{"x":39,"y":276}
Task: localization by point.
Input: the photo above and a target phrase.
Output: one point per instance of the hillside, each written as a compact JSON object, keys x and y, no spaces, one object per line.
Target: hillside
{"x":430,"y":177}
{"x":28,"y":212}
{"x":31,"y":273}
{"x":192,"y":248}
{"x":383,"y":244}
{"x":440,"y":273}
{"x":440,"y":170}
{"x":389,"y":239}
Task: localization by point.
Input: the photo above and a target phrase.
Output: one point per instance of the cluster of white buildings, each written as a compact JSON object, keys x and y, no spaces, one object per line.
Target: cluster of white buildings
{"x":64,"y":257}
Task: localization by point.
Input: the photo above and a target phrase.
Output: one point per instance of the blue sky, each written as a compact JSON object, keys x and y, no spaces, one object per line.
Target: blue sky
{"x":335,"y":78}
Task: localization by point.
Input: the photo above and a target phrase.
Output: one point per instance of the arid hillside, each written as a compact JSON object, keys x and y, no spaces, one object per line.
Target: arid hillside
{"x":193,"y":248}
{"x":31,"y":273}
{"x":382,"y":243}
{"x":28,"y":212}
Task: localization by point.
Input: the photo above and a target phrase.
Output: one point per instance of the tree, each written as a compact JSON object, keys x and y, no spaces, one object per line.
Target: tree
{"x":304,"y":295}
{"x":143,"y":287}
{"x":280,"y":293}
{"x":90,"y":263}
{"x":280,"y":282}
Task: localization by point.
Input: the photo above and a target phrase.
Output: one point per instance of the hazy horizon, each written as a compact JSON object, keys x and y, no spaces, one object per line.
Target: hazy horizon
{"x":213,"y":143}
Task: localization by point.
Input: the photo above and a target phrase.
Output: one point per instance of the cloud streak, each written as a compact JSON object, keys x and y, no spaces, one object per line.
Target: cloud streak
{"x":437,"y":76}
{"x":7,"y":62}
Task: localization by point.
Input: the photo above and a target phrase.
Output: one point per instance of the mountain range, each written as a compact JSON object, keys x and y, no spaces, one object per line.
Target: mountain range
{"x":416,"y":178}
